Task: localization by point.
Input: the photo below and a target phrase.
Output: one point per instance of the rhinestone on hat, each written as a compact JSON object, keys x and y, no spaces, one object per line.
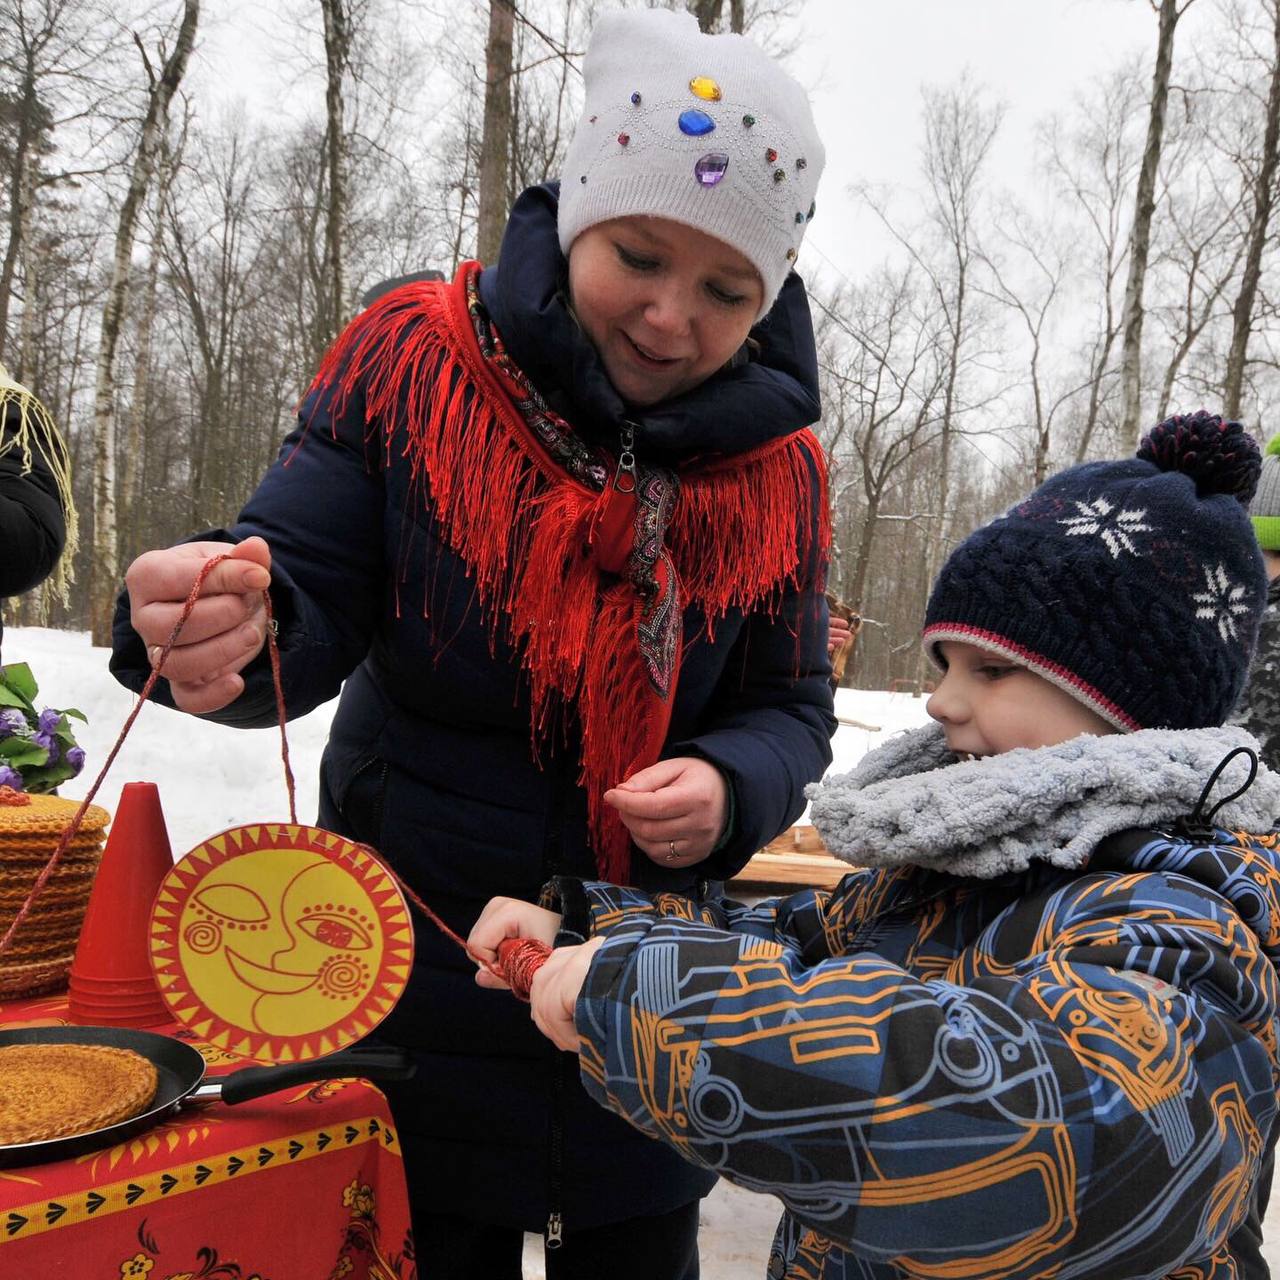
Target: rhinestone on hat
{"x":711,"y":168}
{"x":696,"y":123}
{"x":705,"y":87}
{"x":635,"y":99}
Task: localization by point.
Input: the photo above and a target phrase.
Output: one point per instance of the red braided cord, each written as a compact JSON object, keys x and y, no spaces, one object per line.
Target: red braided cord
{"x":69,"y":833}
{"x":518,"y":958}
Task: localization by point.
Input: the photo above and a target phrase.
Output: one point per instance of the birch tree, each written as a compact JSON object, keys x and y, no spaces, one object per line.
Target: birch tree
{"x":161,"y":88}
{"x":1259,"y":195}
{"x":1169,"y":12}
{"x":495,"y":157}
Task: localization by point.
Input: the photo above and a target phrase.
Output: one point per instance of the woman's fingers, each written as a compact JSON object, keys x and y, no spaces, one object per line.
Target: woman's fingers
{"x":167,"y":575}
{"x":213,"y":695}
{"x":225,"y":629}
{"x":210,"y":616}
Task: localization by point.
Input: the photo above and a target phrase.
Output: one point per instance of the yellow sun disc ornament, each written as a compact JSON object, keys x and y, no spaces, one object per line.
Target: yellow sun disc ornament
{"x":280,"y":943}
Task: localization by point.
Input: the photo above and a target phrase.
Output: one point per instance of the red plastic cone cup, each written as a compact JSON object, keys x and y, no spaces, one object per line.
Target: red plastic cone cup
{"x":113,"y":944}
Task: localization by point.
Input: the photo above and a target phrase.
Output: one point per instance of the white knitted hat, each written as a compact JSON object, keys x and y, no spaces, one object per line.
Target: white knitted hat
{"x":704,"y":130}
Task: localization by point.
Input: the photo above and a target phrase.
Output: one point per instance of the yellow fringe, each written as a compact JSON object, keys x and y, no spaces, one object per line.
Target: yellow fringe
{"x":37,"y":432}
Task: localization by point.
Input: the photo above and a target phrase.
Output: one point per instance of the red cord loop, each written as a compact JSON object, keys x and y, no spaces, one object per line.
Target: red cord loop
{"x":518,"y":958}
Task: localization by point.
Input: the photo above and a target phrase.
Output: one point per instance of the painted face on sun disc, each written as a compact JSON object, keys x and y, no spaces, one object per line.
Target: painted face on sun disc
{"x":280,"y":942}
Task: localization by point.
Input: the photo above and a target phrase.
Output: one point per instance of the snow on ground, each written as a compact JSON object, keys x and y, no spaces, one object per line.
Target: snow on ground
{"x":211,"y":777}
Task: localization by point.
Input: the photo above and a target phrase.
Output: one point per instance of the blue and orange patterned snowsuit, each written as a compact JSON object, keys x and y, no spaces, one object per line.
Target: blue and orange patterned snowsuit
{"x":1062,"y":1073}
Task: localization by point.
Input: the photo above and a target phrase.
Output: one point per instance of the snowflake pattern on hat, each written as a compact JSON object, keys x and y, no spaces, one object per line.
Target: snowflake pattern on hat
{"x":1222,"y":601}
{"x":1095,"y":519}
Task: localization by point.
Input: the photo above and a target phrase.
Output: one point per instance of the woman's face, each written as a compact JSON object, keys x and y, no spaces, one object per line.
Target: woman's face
{"x":664,"y":305}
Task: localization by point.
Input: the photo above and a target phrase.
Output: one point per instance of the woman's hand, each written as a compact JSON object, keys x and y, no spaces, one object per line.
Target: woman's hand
{"x":226,"y":629}
{"x":675,"y":810}
{"x":556,"y":987}
{"x":505,"y":918}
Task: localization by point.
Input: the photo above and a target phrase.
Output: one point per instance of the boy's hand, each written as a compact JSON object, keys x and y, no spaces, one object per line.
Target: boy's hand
{"x":555,"y":992}
{"x":675,"y":810}
{"x":508,"y":918}
{"x":226,"y":629}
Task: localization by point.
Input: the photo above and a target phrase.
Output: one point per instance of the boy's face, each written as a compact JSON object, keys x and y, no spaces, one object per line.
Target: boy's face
{"x":988,"y":704}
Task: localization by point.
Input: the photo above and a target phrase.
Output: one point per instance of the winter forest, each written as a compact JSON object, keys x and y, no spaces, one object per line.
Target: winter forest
{"x":178,"y":250}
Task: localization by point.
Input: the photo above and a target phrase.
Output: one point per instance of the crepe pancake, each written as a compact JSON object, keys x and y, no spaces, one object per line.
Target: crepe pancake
{"x":58,"y":1090}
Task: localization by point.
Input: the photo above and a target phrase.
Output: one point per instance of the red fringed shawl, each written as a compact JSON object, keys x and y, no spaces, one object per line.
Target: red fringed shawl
{"x":554,"y":559}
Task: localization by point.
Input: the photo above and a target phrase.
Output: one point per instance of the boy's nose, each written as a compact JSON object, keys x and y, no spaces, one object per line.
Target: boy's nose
{"x":945,"y":705}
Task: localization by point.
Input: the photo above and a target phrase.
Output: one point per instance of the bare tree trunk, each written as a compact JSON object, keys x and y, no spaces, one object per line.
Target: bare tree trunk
{"x":135,"y":445}
{"x":1242,"y":312}
{"x":708,"y":14}
{"x":337,"y":53}
{"x":495,"y":143}
{"x":106,"y":547}
{"x":1143,"y":212}
{"x":26,"y":362}
{"x":20,"y":190}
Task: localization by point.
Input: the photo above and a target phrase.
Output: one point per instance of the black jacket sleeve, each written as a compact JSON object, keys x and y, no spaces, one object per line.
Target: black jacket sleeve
{"x":33,"y":526}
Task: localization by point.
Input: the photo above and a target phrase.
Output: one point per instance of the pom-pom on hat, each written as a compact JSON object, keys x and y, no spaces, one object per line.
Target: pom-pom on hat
{"x":1264,"y":509}
{"x":1135,"y":586}
{"x":705,"y":130}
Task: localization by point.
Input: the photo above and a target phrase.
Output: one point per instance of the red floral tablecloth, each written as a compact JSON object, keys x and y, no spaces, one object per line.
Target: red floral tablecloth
{"x":304,"y":1184}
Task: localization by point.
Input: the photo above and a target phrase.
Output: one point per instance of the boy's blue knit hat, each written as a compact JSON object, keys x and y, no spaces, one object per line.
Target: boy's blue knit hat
{"x":1136,"y":586}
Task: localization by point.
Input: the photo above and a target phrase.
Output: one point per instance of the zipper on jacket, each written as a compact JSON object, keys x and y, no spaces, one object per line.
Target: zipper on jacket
{"x":624,"y":478}
{"x":375,"y":837}
{"x":555,"y":1220}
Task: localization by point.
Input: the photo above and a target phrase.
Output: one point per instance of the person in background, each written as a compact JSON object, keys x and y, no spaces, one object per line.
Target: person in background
{"x":37,"y":516}
{"x":561,"y":529}
{"x":1039,"y":1035}
{"x":843,"y":626}
{"x":1259,"y":708}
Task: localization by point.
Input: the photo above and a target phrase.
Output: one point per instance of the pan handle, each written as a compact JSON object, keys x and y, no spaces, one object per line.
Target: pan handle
{"x":371,"y":1063}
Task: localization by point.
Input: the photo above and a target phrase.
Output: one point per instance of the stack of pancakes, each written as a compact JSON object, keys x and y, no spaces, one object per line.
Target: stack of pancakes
{"x":39,"y":957}
{"x":58,"y":1090}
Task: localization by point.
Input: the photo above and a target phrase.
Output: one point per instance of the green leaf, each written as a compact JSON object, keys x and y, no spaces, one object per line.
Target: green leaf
{"x":17,"y":752}
{"x":10,"y":699}
{"x":42,"y":781}
{"x":17,"y":676}
{"x":79,"y":715}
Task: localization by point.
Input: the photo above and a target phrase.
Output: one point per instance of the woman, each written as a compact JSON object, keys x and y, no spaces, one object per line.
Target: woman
{"x":560,"y":528}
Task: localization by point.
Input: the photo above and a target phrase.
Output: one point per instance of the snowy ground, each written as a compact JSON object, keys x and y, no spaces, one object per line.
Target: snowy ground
{"x":211,"y":778}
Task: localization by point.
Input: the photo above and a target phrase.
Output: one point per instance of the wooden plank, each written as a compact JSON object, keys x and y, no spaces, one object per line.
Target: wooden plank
{"x":791,"y":871}
{"x":797,"y":859}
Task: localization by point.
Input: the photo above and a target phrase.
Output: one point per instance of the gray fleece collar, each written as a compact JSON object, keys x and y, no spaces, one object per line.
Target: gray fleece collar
{"x":910,"y":801}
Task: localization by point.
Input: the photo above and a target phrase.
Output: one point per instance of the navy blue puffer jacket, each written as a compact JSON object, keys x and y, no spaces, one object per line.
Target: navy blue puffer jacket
{"x":429,"y":758}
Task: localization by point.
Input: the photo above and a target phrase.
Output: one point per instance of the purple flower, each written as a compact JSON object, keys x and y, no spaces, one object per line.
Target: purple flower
{"x":75,"y":758}
{"x":11,"y":721}
{"x":10,"y":778}
{"x":49,"y":719}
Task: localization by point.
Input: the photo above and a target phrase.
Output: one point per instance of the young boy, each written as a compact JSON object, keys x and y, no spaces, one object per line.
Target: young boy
{"x":1037,"y":1034}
